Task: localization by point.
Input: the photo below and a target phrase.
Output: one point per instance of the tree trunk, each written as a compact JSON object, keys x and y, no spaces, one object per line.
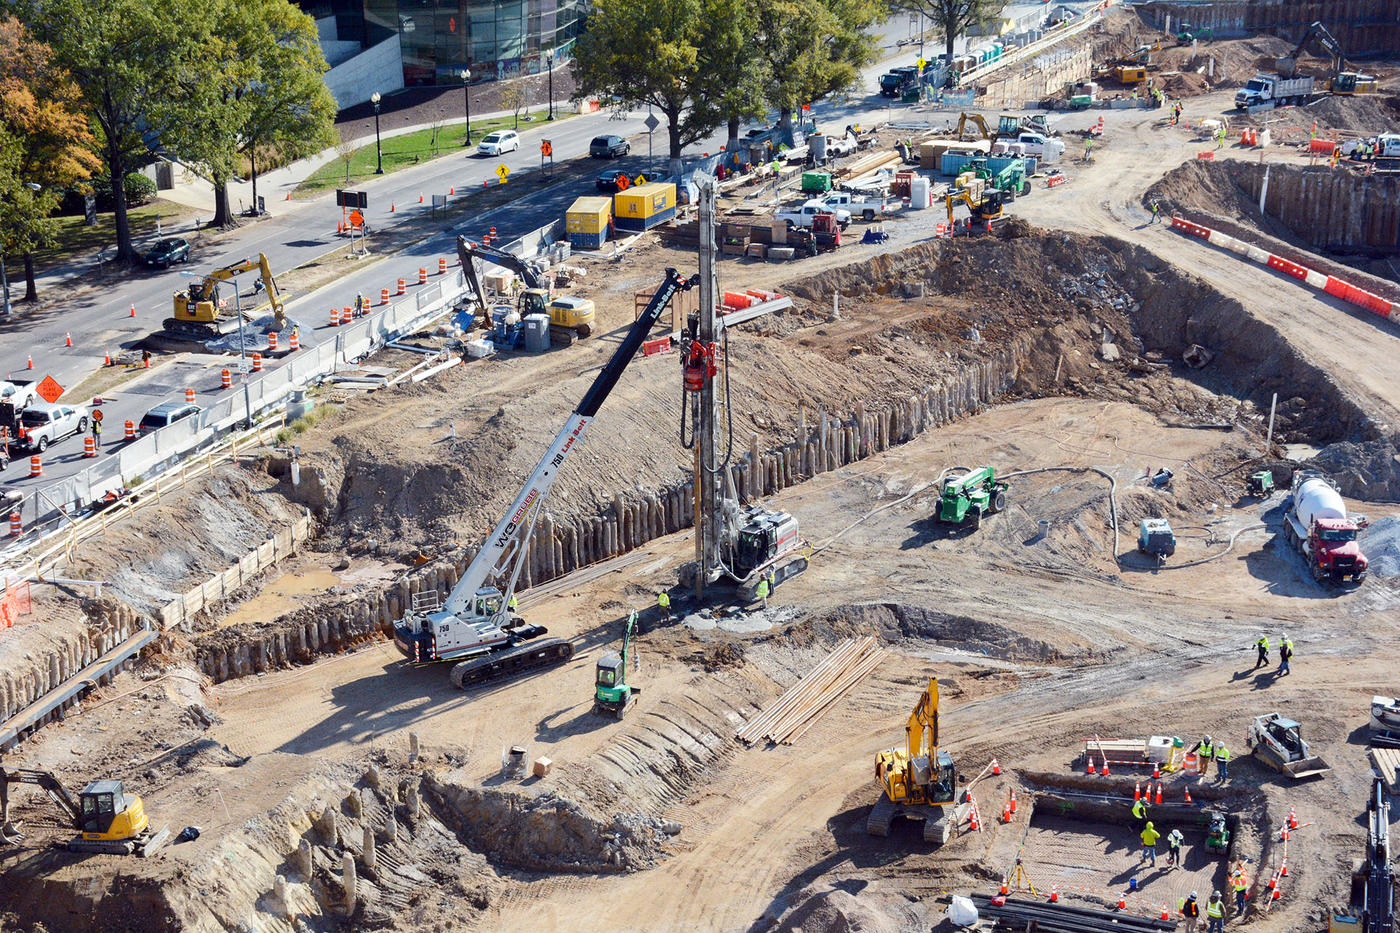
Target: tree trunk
{"x":948,"y":41}
{"x":223,"y":215}
{"x":31,"y":288}
{"x":785,"y":126}
{"x":732,"y":146}
{"x":673,"y":131}
{"x":253,"y":173}
{"x":116,"y":170}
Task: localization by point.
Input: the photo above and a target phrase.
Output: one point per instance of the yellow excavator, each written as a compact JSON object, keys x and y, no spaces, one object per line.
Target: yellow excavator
{"x":977,"y":120}
{"x":201,"y":314}
{"x":987,"y":207}
{"x":107,"y":818}
{"x":919,"y":780}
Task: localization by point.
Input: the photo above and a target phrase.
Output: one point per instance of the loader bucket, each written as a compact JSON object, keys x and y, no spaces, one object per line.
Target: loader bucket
{"x":1306,"y":768}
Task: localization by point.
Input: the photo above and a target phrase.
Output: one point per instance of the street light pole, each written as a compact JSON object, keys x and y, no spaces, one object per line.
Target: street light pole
{"x":378,"y":152}
{"x":243,"y":356}
{"x":550,"y":54}
{"x":4,"y":287}
{"x":467,"y":102}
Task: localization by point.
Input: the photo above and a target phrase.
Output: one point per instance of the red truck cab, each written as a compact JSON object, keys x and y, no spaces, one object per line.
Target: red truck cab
{"x":1337,"y":551}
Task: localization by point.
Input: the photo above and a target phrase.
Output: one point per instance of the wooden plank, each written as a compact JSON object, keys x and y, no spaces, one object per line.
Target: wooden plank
{"x":1387,"y":762}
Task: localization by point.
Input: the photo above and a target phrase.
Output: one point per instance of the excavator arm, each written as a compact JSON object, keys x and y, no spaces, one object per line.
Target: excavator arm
{"x":1325,"y":41}
{"x":46,"y":781}
{"x":467,"y":250}
{"x":924,"y":719}
{"x":501,"y":555}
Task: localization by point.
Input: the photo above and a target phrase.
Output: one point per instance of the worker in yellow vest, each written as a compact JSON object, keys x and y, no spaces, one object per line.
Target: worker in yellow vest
{"x":1215,"y":914}
{"x":1140,"y":814}
{"x":1190,"y":910}
{"x":1149,"y":836}
{"x":1263,"y":645}
{"x":763,"y":590}
{"x":1222,"y":763}
{"x":663,"y":602}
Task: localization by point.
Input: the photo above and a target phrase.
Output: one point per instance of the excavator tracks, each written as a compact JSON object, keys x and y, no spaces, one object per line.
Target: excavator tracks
{"x":533,"y":654}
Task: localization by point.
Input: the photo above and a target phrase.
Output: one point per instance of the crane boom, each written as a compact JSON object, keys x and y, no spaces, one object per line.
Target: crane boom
{"x":475,"y":618}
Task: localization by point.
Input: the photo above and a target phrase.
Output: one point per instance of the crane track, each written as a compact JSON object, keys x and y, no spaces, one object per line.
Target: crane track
{"x":533,"y":654}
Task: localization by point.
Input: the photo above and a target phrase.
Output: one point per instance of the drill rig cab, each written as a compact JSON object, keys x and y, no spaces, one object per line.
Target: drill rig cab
{"x":919,"y":780}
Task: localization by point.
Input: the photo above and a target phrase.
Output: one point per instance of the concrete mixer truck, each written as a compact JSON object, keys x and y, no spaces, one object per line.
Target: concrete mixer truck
{"x":1316,"y":523}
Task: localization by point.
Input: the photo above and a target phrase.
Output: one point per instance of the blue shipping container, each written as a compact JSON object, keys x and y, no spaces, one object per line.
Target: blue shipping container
{"x":587,"y":240}
{"x":638,"y":224}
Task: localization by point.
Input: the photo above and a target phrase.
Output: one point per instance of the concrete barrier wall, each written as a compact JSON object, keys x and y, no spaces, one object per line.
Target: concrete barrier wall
{"x":563,"y":546}
{"x":378,"y":68}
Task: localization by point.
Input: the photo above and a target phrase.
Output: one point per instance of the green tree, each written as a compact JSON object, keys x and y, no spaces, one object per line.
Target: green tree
{"x":675,"y":56}
{"x":733,"y":54}
{"x":42,"y":117}
{"x":953,"y":18}
{"x":815,"y":48}
{"x":133,"y":61}
{"x":265,"y":104}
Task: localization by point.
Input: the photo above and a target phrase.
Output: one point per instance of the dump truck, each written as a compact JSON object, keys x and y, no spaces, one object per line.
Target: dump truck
{"x":1274,"y":90}
{"x":969,"y":496}
{"x":1278,"y":742}
{"x":1316,"y":525}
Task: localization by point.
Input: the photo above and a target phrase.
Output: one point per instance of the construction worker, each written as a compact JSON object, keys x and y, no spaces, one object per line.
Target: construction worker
{"x":1239,"y":883}
{"x":1263,"y":645}
{"x":1285,"y":654}
{"x":1088,"y":150}
{"x":763,"y":590}
{"x":1215,"y":914}
{"x":1205,"y":751}
{"x":1174,"y":842}
{"x":1149,"y":836}
{"x":1190,"y":909}
{"x":97,"y":433}
{"x":1140,"y":814}
{"x":512,"y":604}
{"x":1156,"y":210}
{"x":1222,"y":763}
{"x":663,"y":602}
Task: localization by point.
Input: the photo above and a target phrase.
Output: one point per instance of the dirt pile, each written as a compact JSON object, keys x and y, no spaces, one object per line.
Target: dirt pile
{"x":1368,"y":471}
{"x":1228,"y":63}
{"x":1365,"y":115}
{"x":839,"y":911}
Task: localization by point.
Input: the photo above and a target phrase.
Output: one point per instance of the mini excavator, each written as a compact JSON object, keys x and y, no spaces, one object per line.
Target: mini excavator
{"x":108,"y":819}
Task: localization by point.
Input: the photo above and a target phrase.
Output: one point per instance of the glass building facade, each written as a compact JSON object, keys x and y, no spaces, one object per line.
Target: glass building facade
{"x":495,"y":39}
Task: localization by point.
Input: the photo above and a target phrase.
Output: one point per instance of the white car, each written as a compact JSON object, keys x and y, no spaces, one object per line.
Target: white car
{"x":499,"y":143}
{"x":42,"y":425}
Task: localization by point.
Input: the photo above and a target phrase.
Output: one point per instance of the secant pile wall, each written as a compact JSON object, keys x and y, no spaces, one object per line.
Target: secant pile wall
{"x":1338,"y":211}
{"x":1363,"y":27}
{"x":561,"y":547}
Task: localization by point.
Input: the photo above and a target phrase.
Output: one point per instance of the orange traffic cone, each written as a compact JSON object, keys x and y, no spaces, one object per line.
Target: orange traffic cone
{"x":339,"y":228}
{"x":1159,"y":795}
{"x":1104,"y":772}
{"x":133,"y":311}
{"x":420,"y":197}
{"x":1004,"y":890}
{"x":1055,"y":894}
{"x":1006,"y":813}
{"x":391,"y":208}
{"x":1122,"y":902}
{"x":1013,"y":800}
{"x":30,"y":363}
{"x":1278,"y":893}
{"x":452,"y":190}
{"x":106,"y":359}
{"x":996,"y":765}
{"x":1137,"y":792}
{"x":1285,"y":834}
{"x":1156,"y":770}
{"x":1165,"y":915}
{"x":1273,"y":883}
{"x":1188,"y":795}
{"x":1283,"y":869}
{"x":68,"y":338}
{"x":1292,"y":817}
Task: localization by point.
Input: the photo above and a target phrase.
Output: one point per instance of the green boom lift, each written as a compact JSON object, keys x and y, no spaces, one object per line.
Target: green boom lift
{"x":969,"y":496}
{"x":613,"y":694}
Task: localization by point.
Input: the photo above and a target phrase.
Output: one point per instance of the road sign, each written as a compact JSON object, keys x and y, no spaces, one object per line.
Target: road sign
{"x":245,"y":365}
{"x":651,"y":122}
{"x":357,"y":219}
{"x":502,"y":172}
{"x":639,"y":180}
{"x":49,"y":390}
{"x":547,"y":148}
{"x":921,"y":63}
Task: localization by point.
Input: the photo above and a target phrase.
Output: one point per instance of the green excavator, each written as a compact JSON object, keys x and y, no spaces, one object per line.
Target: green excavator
{"x":612,"y":693}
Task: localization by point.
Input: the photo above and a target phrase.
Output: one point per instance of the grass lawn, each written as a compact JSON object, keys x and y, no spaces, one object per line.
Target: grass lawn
{"x":404,"y":152}
{"x":76,"y":239}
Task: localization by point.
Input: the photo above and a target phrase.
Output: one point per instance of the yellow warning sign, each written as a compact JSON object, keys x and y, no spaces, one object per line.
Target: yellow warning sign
{"x":502,"y":172}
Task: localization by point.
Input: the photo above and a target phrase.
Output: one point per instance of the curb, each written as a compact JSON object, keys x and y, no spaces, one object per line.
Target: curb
{"x":1315,"y":279}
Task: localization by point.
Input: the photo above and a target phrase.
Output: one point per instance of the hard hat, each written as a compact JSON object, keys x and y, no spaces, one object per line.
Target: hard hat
{"x":1206,"y":740}
{"x":1193,"y":895}
{"x":1214,"y":894}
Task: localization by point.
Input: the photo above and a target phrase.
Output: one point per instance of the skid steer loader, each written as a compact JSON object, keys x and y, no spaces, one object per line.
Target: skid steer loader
{"x":1278,"y":743}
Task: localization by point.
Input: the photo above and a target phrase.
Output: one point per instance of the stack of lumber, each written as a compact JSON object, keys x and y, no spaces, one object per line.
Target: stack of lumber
{"x":797,"y":710}
{"x":867,"y":164}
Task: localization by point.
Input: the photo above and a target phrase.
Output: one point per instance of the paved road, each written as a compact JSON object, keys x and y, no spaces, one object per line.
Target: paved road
{"x":100,"y":322}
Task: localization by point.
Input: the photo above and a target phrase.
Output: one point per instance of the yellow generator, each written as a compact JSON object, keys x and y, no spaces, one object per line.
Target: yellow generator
{"x":919,"y":780}
{"x":107,"y":818}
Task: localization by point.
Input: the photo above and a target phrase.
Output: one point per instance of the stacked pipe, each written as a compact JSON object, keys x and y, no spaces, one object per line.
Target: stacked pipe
{"x":1062,"y":918}
{"x":802,"y":705}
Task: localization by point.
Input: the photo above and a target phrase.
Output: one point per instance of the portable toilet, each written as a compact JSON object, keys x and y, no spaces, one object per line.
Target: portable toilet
{"x":536,"y":333}
{"x":588,"y":222}
{"x":644,"y":206}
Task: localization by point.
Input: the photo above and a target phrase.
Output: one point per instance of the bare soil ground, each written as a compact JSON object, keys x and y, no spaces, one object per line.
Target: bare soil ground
{"x":1038,"y":642}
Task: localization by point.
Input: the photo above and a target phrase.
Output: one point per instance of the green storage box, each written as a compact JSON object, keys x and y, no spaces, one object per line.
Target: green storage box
{"x":816,"y":181}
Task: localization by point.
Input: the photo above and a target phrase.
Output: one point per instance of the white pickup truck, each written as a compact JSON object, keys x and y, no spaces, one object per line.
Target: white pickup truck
{"x":866,"y":204}
{"x":802,"y":216}
{"x":20,"y":393}
{"x":44,"y":424}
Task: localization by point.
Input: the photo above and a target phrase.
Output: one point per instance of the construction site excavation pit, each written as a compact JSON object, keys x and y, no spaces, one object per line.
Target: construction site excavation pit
{"x":355,"y":791}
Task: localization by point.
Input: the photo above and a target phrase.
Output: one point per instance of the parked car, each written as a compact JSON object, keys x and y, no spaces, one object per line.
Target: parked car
{"x":164,"y":415}
{"x":167,"y":252}
{"x":614,"y":179}
{"x":609,"y":147}
{"x":499,"y":143}
{"x":44,"y":424}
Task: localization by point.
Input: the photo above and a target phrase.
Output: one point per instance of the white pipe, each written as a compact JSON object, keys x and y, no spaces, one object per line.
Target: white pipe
{"x":69,"y":581}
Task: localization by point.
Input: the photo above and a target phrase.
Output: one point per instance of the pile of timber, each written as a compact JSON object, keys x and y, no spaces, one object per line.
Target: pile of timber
{"x":1061,"y":918}
{"x":797,"y":710}
{"x":867,"y":164}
